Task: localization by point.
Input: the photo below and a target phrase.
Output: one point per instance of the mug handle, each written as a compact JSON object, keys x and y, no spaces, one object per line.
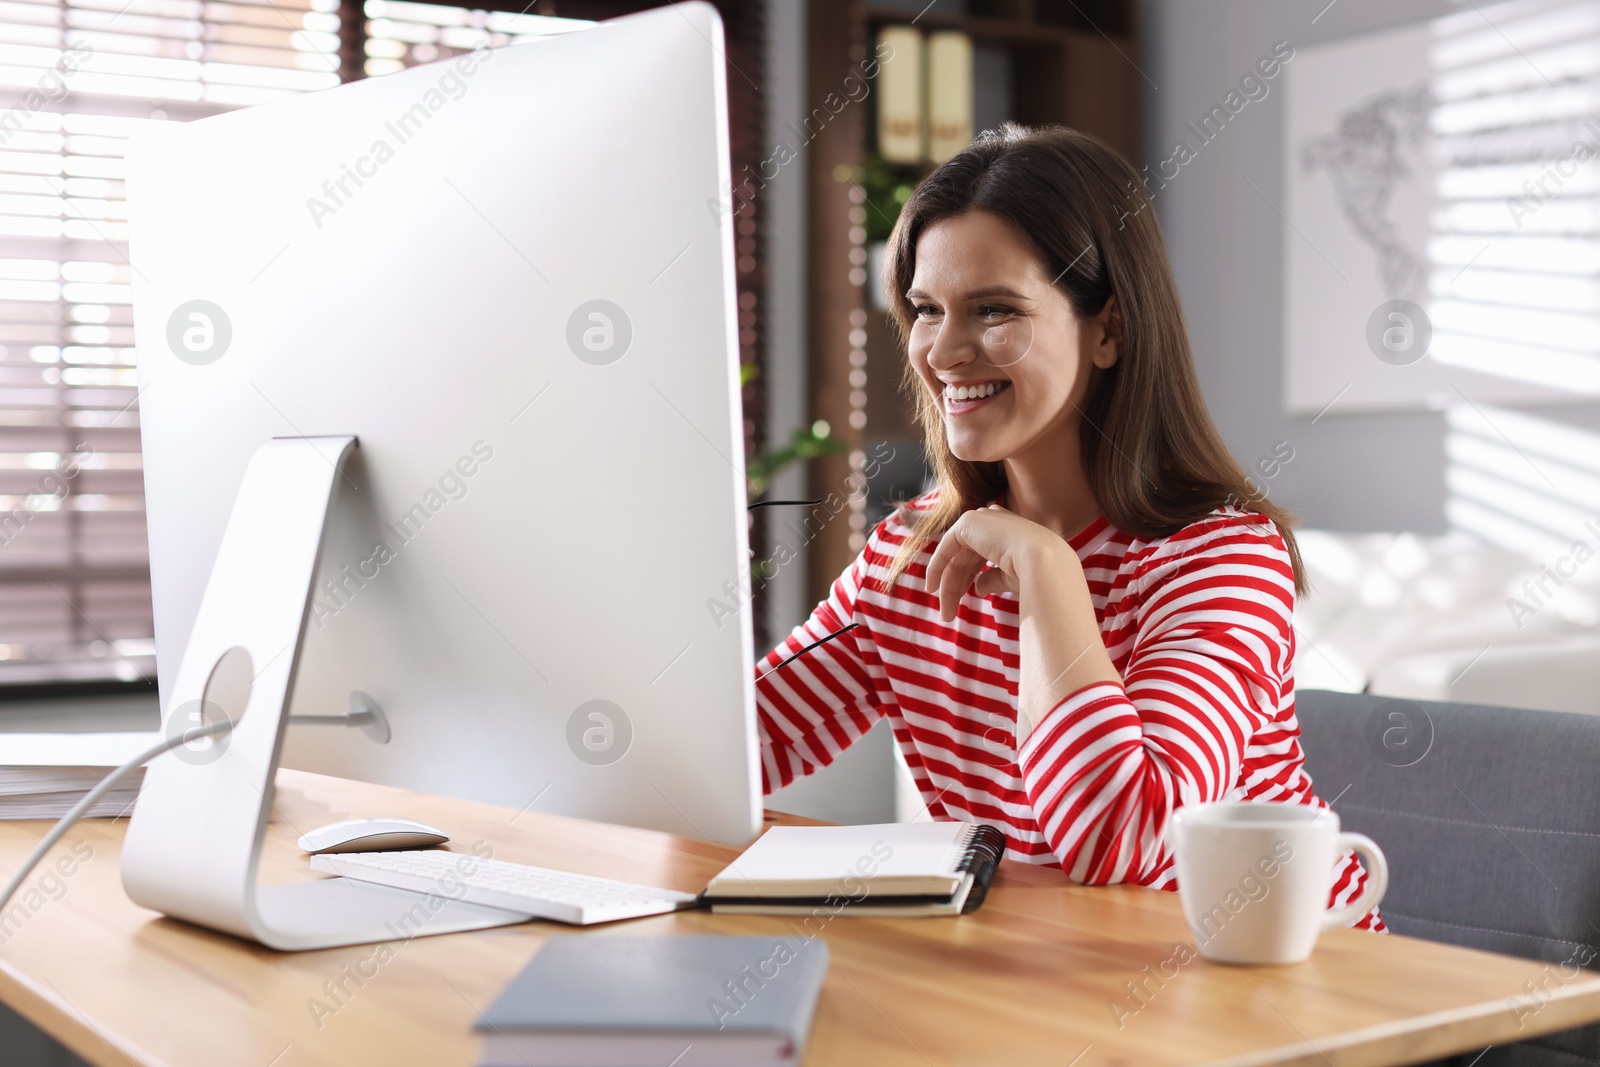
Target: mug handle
{"x":1377,"y":881}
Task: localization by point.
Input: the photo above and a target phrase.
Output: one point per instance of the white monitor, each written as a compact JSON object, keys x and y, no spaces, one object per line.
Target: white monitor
{"x":504,"y":274}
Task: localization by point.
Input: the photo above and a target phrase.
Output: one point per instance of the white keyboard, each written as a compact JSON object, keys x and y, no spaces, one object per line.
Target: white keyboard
{"x":536,"y":891}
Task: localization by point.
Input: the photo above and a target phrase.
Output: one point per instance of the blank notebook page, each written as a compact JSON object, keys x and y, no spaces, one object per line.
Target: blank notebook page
{"x":824,"y":854}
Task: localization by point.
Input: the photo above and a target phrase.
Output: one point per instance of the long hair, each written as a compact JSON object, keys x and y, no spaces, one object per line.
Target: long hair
{"x":1152,"y":455}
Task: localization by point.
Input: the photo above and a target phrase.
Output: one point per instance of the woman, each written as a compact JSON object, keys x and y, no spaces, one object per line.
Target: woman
{"x":1088,"y":622}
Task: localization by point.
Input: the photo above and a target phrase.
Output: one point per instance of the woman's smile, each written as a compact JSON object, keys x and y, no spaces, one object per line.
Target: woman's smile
{"x":963,"y":397}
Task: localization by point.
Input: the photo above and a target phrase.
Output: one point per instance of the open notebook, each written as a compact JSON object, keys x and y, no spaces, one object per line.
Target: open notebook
{"x":898,"y":869}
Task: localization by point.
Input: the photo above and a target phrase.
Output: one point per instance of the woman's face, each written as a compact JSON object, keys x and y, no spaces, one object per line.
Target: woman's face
{"x":998,"y":347}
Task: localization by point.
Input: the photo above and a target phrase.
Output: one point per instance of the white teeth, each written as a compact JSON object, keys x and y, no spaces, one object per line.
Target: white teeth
{"x":972,"y":392}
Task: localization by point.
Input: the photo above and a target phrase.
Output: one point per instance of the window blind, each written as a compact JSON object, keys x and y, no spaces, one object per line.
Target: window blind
{"x":77,"y":77}
{"x":1514,"y":258}
{"x":402,"y":34}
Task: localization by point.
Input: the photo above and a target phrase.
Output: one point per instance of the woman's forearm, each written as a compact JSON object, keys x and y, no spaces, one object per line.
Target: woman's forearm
{"x":1061,"y":647}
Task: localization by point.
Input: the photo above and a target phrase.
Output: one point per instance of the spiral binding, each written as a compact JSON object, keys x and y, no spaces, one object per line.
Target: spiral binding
{"x":985,"y":845}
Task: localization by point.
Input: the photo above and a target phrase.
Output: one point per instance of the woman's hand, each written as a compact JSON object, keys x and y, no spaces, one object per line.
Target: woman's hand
{"x":982,"y":536}
{"x":1058,"y":633}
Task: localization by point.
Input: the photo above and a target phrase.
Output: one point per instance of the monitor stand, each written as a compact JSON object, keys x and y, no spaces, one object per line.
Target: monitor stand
{"x":193,"y":847}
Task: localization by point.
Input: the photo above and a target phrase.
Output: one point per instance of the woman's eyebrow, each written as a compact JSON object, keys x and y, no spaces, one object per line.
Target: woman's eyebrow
{"x":994,"y":290}
{"x":975,"y":294}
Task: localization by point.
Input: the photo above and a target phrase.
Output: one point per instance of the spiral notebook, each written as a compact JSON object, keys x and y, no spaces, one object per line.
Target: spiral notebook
{"x":883,"y":869}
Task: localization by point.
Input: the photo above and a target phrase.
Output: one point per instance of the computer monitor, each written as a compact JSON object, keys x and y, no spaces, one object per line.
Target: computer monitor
{"x":508,"y":275}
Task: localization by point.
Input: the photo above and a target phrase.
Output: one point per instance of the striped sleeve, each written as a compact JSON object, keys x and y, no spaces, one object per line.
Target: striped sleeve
{"x":1108,"y":765}
{"x":820,"y":704}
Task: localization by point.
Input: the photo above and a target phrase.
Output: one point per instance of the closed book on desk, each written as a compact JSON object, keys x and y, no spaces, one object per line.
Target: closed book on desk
{"x":588,"y":1001}
{"x":884,"y":869}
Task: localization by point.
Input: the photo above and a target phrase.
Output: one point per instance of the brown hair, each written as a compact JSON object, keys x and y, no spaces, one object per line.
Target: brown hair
{"x":1152,"y":455}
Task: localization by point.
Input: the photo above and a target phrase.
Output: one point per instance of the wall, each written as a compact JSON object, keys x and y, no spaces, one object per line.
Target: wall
{"x":1350,"y":472}
{"x":783,"y":212}
{"x":860,"y":786}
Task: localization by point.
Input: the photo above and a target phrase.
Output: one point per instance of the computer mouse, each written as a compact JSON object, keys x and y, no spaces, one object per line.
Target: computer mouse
{"x":372,"y":835}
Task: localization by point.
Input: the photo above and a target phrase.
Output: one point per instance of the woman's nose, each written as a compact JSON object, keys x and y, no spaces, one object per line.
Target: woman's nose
{"x":951,"y":347}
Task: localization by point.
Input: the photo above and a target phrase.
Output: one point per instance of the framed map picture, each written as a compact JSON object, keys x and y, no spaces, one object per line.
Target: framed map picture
{"x":1442,"y":199}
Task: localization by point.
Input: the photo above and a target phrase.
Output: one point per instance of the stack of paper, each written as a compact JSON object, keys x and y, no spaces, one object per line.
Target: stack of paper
{"x":44,"y":775}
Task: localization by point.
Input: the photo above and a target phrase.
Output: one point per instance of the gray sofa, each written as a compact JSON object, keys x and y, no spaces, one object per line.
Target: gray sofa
{"x":1490,"y":818}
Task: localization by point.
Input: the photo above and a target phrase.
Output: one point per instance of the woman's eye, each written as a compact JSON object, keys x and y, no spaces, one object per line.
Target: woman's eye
{"x":995,"y":311}
{"x":926,"y":311}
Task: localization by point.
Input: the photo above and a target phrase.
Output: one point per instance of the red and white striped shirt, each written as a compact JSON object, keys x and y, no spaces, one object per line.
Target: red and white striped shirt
{"x":1198,"y":625}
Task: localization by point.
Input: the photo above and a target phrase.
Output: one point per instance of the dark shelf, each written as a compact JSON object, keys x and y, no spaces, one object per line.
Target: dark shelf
{"x":70,"y":690}
{"x":1012,"y":21}
{"x":992,"y":31}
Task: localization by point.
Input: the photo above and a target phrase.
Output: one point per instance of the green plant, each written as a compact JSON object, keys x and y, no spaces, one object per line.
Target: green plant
{"x":806,"y":443}
{"x":888,"y":186}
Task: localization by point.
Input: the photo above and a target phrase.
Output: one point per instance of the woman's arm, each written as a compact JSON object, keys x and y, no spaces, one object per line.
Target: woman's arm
{"x":1107,"y":760}
{"x":813,"y":709}
{"x":1111,"y":762}
{"x":1061,"y":647}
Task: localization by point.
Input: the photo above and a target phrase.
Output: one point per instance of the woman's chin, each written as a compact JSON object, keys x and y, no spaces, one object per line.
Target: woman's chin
{"x":973,"y":448}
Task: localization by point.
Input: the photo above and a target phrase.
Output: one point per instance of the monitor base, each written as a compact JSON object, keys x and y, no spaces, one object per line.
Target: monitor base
{"x":342,"y":911}
{"x":193,"y":847}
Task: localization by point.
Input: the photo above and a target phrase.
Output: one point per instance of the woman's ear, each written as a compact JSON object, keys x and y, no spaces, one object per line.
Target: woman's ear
{"x":1107,"y":334}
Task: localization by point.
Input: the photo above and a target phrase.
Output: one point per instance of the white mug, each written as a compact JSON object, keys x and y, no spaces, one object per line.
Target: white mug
{"x":1254,"y":878}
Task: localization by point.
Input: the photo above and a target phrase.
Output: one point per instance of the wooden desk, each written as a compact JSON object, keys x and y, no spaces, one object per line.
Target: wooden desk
{"x":1028,"y":979}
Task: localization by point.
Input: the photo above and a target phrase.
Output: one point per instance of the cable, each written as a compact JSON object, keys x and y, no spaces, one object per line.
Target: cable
{"x":71,"y":818}
{"x":791,"y":659}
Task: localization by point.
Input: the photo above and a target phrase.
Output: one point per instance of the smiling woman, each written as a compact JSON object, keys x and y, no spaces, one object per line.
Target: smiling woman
{"x":1079,"y":630}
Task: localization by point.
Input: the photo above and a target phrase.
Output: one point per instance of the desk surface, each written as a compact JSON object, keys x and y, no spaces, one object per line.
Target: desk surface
{"x":1029,"y":978}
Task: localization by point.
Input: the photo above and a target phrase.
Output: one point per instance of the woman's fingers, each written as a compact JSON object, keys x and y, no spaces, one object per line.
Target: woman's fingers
{"x":961,"y":556}
{"x":952,"y":543}
{"x":955,"y":581}
{"x":992,"y":581}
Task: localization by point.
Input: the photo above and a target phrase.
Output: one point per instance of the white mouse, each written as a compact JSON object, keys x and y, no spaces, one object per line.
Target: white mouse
{"x":372,"y":835}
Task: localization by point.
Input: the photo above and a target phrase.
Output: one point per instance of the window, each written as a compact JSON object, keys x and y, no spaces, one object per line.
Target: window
{"x":77,"y":77}
{"x":400,"y":34}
